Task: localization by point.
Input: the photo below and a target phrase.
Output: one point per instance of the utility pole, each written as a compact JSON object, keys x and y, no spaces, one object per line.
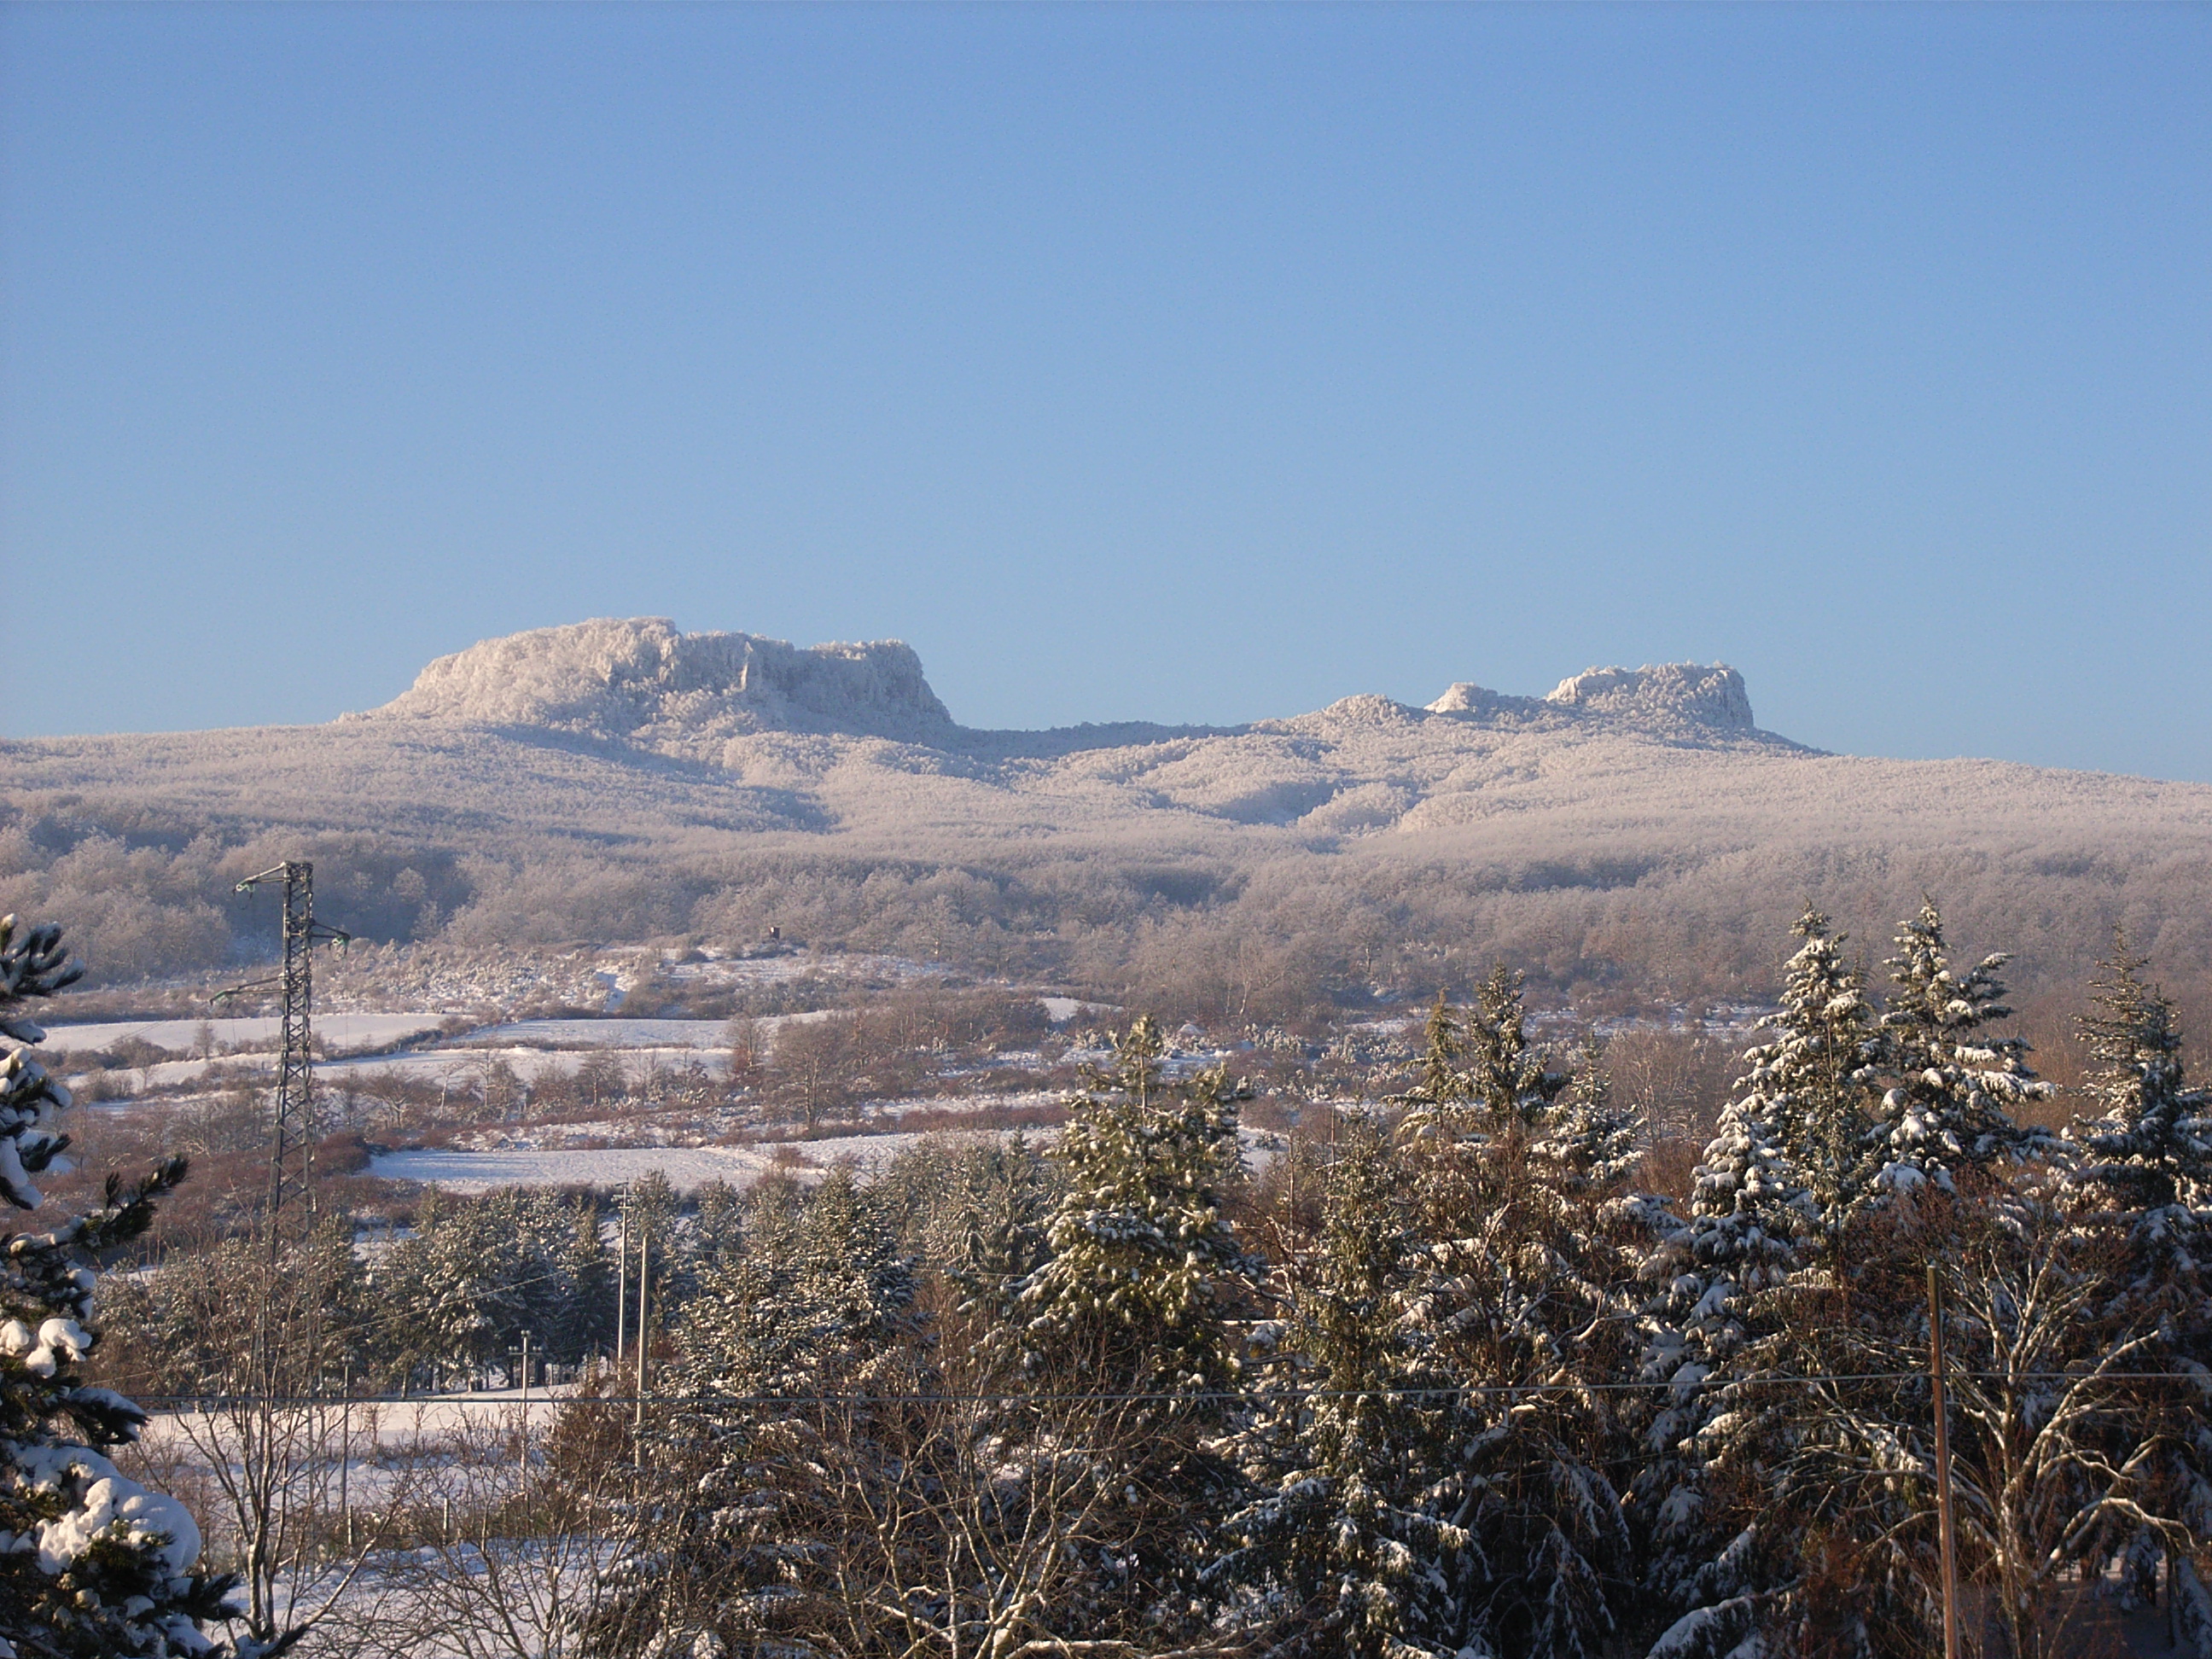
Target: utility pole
{"x":292,"y":1126}
{"x":644,"y":1256}
{"x":345,"y":1452}
{"x":1946,"y":1532}
{"x":523,"y":1456}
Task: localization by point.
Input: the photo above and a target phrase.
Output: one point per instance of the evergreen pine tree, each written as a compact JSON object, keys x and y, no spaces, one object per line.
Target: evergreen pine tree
{"x":1135,"y":1304}
{"x":2150,"y":1149}
{"x":583,"y":1322}
{"x":789,"y":1366}
{"x":989,"y":1231}
{"x":1717,"y":1562}
{"x":1830,"y":1479}
{"x":2143,"y":1169}
{"x":1354,"y":1525}
{"x":1518,"y":1293}
{"x":718,"y":1224}
{"x":93,"y":1565}
{"x":1953,"y":1087}
{"x":1145,"y":1268}
{"x":1816,"y":1074}
{"x":1441,"y":1077}
{"x":1584,"y":1142}
{"x":1505,"y":1078}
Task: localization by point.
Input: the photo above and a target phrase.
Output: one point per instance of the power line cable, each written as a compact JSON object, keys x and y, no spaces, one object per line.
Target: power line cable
{"x":1445,"y":1391}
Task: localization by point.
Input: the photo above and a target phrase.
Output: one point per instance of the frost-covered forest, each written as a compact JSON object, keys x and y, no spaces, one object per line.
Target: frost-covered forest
{"x":1462,"y":1365}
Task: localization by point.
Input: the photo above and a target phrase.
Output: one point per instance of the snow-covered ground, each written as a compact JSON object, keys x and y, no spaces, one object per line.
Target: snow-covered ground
{"x":685,"y":1168}
{"x":605,"y":1034}
{"x":688,"y":1168}
{"x":336,"y":1031}
{"x":458,"y":1065}
{"x":640,"y":1046}
{"x":452,"y":1067}
{"x":385,"y":1423}
{"x":458,"y":1171}
{"x":1061,"y":1010}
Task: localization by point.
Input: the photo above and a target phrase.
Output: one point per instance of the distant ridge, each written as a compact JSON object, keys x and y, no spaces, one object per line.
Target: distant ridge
{"x":642,"y":682}
{"x":619,"y":779}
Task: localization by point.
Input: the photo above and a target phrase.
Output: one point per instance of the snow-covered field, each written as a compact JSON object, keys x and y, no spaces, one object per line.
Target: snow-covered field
{"x":604,"y":1034}
{"x":366,"y":1426}
{"x":458,"y":1065}
{"x":453,"y":1066}
{"x":685,"y":1168}
{"x":460,"y":1171}
{"x":336,"y":1031}
{"x":639,"y":1047}
{"x":1061,"y":1010}
{"x":688,"y":1168}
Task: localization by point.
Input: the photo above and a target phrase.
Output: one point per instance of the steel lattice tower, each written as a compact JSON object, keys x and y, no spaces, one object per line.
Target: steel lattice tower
{"x":292,"y":1125}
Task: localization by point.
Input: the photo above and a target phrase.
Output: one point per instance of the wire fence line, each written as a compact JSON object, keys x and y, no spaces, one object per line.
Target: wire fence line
{"x":510,"y":1401}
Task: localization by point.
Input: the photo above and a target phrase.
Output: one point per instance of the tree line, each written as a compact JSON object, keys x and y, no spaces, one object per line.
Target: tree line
{"x":1443,"y":1383}
{"x":1489,"y":1399}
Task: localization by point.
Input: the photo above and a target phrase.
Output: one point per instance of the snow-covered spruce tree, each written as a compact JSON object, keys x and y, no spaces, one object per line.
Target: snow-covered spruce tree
{"x":974,"y":1210}
{"x":1953,"y":1087}
{"x":1441,"y":1076}
{"x":1352,"y":1544}
{"x":1145,"y":1267}
{"x":794,"y":1371}
{"x":1133,"y":1304}
{"x":989,"y":1231}
{"x":2142,"y":1171}
{"x":1584,"y":1143}
{"x":1841,"y":1465}
{"x":1506,"y":1082}
{"x":1777,"y":1179}
{"x":92,"y":1564}
{"x":1818,"y":1073}
{"x":578,"y":1316}
{"x":460,"y":1276}
{"x":2148,"y":1149}
{"x":1519,"y":1294}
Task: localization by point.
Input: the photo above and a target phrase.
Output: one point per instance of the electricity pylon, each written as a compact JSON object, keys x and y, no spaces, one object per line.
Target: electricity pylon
{"x":292,"y":1126}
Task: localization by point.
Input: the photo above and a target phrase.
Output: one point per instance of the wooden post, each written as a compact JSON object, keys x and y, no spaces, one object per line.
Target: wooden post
{"x":644,"y":1260}
{"x":622,"y":1281}
{"x":1947,"y":1530}
{"x":345,"y":1454}
{"x":523,"y":1456}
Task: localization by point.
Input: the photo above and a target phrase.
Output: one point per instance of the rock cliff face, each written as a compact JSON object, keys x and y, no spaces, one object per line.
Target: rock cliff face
{"x":642,"y":682}
{"x":1671,"y":692}
{"x":1678,"y":699}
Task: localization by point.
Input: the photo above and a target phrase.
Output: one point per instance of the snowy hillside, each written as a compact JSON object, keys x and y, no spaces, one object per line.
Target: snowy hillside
{"x":620,"y":780}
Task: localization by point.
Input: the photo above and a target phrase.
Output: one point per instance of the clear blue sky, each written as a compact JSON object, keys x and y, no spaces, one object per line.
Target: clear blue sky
{"x":1183,"y":363}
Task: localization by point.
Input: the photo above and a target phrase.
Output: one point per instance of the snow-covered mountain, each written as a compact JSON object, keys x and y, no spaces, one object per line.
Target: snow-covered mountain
{"x":623,"y":779}
{"x":640,"y":682}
